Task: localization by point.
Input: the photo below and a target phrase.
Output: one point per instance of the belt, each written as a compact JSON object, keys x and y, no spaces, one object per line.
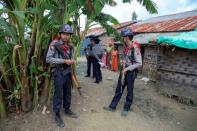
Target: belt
{"x":61,"y":69}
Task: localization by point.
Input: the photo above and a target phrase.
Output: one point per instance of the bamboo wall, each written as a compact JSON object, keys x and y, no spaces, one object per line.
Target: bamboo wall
{"x":150,"y":62}
{"x":174,"y":68}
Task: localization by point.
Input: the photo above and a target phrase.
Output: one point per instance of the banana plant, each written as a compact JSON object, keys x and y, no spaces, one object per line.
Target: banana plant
{"x":3,"y":113}
{"x":16,"y":24}
{"x":26,"y":26}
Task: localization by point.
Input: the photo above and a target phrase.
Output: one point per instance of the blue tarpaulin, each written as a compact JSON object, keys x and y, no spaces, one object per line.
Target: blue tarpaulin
{"x":186,"y":40}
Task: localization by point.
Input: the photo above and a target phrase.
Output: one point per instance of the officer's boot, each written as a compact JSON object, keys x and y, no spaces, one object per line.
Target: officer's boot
{"x":124,"y":113}
{"x":87,"y":75}
{"x":97,"y":82}
{"x":59,"y":120}
{"x":71,"y":114}
{"x":107,"y":108}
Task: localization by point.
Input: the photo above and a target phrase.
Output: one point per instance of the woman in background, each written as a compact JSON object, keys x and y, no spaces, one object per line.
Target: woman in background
{"x":105,"y":58}
{"x":108,"y":51}
{"x":114,"y":58}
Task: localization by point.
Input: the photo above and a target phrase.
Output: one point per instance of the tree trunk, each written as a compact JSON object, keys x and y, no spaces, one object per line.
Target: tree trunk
{"x":26,"y":102}
{"x":2,"y":105}
{"x":89,"y":7}
{"x":45,"y":91}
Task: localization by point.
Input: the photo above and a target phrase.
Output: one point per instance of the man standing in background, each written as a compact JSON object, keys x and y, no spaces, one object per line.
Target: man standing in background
{"x":89,"y":58}
{"x":98,"y":52}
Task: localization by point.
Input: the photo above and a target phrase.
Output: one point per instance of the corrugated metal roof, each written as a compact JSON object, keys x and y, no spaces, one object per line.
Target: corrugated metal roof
{"x":106,"y":40}
{"x":170,"y":17}
{"x":174,"y":25}
{"x":100,"y":30}
{"x":122,"y":25}
{"x":179,"y":22}
{"x":95,"y":31}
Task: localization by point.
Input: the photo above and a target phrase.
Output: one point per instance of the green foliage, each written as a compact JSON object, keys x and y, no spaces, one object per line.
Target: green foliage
{"x":75,"y":40}
{"x":26,"y":28}
{"x":148,"y":4}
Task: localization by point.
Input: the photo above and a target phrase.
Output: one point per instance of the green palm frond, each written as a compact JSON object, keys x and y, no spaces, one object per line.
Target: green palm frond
{"x":150,"y":6}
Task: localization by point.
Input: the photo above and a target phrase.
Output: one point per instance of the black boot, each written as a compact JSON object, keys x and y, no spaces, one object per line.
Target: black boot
{"x":59,"y":120}
{"x":107,"y":108}
{"x":93,"y":77}
{"x":71,"y":114}
{"x":124,"y":113}
{"x":97,"y":82}
{"x":87,"y":76}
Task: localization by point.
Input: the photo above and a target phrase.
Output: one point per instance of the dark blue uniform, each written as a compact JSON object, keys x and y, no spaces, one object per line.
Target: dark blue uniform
{"x":60,"y":56}
{"x":133,"y":60}
{"x":61,"y":74}
{"x":89,"y":56}
{"x":98,"y":54}
{"x":129,"y":82}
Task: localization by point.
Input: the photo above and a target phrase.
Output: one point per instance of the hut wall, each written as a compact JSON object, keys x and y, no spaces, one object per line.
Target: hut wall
{"x":150,"y":62}
{"x":177,"y":70}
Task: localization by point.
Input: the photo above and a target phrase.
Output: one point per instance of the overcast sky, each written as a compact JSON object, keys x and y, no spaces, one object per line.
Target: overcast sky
{"x":122,"y":12}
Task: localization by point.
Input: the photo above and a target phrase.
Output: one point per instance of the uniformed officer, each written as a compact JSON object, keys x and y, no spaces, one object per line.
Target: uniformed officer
{"x":89,"y":57}
{"x":98,"y":52}
{"x":132,"y":60}
{"x":60,"y":56}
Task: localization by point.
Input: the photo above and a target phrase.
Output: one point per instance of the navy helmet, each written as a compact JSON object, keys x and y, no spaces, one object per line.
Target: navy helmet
{"x":94,"y":38}
{"x":65,"y":28}
{"x":126,"y":32}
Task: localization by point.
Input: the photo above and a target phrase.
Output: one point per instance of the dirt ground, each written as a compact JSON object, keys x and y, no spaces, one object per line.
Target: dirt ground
{"x":151,"y":110}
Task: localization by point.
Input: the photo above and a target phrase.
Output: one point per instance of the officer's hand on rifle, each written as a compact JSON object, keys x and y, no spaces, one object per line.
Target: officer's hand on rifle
{"x":69,"y":62}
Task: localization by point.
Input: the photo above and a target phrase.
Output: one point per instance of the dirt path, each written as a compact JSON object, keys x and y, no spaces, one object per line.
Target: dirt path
{"x":151,"y":111}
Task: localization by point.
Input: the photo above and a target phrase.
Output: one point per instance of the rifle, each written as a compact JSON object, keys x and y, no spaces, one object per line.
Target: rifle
{"x":124,"y":66}
{"x":121,"y":78}
{"x":74,"y":81}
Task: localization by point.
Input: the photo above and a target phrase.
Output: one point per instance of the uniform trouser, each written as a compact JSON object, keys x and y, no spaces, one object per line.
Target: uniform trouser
{"x":89,"y":63}
{"x":62,"y":90}
{"x":129,"y":82}
{"x":97,"y":70}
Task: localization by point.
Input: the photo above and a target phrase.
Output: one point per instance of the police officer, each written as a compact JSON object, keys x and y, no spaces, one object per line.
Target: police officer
{"x":98,"y":52}
{"x":60,"y":56}
{"x":131,"y":61}
{"x":89,"y":57}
